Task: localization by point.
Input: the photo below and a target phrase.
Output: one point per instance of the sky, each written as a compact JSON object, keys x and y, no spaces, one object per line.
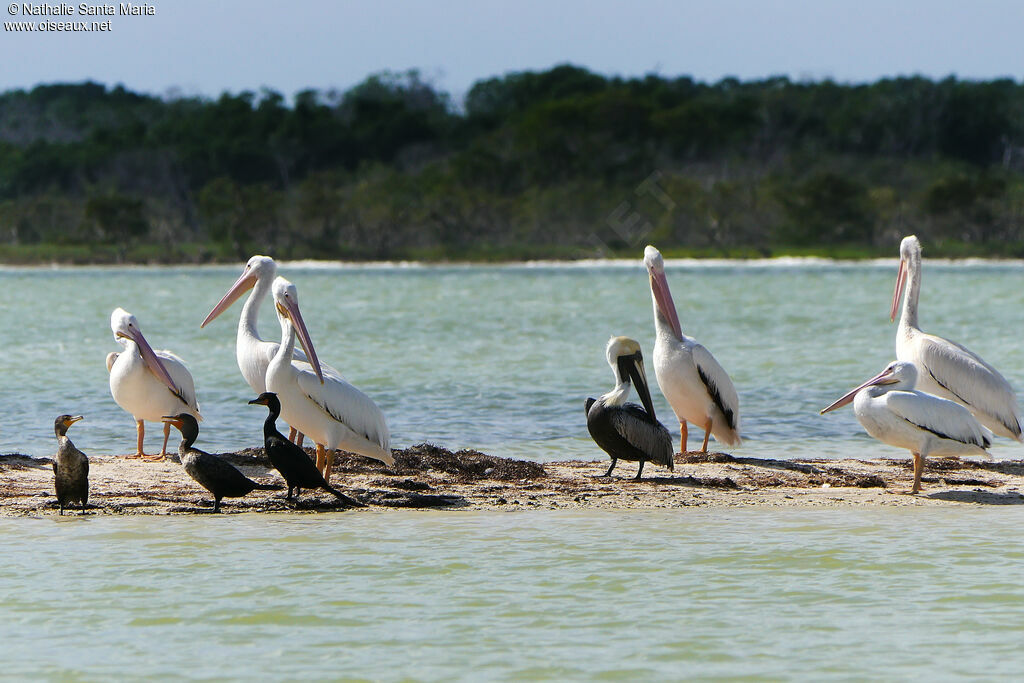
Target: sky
{"x":203,"y":47}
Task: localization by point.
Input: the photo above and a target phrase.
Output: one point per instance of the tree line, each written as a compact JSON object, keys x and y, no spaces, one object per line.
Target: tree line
{"x":558,"y":163}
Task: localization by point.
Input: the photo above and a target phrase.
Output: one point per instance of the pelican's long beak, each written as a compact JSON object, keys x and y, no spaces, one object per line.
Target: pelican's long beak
{"x":291,"y":311}
{"x":901,"y":280}
{"x":151,"y":360}
{"x":243,"y":284}
{"x":884,"y":377}
{"x":633,"y":367}
{"x":663,"y":298}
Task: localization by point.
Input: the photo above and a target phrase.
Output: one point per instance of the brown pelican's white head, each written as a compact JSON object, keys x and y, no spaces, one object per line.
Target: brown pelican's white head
{"x":910,"y":257}
{"x":898,"y":376}
{"x":259,"y":268}
{"x":664,"y":307}
{"x":127,"y":331}
{"x":286,"y":301}
{"x":627,"y":363}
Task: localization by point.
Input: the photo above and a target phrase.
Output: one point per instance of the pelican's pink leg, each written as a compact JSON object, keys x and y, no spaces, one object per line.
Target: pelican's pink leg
{"x":682,"y":436}
{"x":140,"y":433}
{"x":707,"y":434}
{"x":918,"y":470}
{"x":321,"y":457}
{"x":328,"y":465}
{"x":163,"y":451}
{"x":295,"y":436}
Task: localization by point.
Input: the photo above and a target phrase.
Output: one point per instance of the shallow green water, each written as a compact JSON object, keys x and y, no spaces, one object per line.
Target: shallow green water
{"x":500,"y":358}
{"x":834,"y":594}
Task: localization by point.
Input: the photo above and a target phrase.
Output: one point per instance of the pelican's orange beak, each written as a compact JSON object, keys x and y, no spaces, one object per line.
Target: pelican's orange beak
{"x":884,"y":377}
{"x":150,"y":358}
{"x":290,"y":310}
{"x":663,"y":298}
{"x":901,"y":281}
{"x":243,"y":284}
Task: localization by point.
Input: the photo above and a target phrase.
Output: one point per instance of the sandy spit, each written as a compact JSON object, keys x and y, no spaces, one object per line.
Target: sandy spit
{"x":426,"y":476}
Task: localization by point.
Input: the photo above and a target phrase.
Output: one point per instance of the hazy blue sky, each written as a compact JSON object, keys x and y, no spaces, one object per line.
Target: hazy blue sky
{"x":205,"y":46}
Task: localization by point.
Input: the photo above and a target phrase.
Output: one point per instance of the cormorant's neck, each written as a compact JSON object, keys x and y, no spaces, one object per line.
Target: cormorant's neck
{"x":188,"y":437}
{"x":270,"y":424}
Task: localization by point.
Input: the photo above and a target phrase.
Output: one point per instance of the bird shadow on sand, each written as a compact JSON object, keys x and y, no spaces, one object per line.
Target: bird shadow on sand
{"x":978,"y":497}
{"x":696,"y":457}
{"x":692,"y":482}
{"x":410,"y":499}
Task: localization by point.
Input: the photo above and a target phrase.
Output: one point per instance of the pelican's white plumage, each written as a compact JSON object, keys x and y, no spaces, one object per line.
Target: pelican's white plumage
{"x":693,"y":382}
{"x":892,"y":411}
{"x":947,"y":369}
{"x":147,"y":383}
{"x":332,"y":412}
{"x":252,"y":353}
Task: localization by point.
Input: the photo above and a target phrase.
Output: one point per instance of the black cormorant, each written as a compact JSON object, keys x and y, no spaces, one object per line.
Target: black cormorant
{"x":217,"y":476}
{"x":288,"y":458}
{"x":70,"y":467}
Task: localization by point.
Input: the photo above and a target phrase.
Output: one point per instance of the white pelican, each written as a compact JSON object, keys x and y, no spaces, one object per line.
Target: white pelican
{"x":892,"y":411}
{"x":695,"y":385}
{"x":946,"y":368}
{"x":625,"y":430}
{"x":252,"y":353}
{"x":332,"y":412}
{"x":148,"y":384}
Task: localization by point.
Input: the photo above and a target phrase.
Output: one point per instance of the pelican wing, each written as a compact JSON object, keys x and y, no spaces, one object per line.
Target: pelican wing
{"x":719,"y":386}
{"x":633,"y":424}
{"x":346,"y":404}
{"x":976,"y":383}
{"x":178,"y":371}
{"x":943,"y":418}
{"x":299,"y":359}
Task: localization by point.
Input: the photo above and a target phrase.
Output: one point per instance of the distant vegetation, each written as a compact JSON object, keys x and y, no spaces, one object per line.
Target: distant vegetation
{"x":562,"y":163}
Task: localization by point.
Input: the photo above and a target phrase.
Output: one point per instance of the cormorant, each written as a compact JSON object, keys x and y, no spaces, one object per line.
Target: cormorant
{"x":217,"y":476}
{"x":625,"y":430}
{"x":70,"y":467}
{"x":288,"y":458}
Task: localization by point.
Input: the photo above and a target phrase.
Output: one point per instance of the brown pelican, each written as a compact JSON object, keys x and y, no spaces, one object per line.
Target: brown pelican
{"x":70,"y":467}
{"x":892,"y":411}
{"x":288,"y":458}
{"x":693,"y":382}
{"x":220,"y":478}
{"x":327,"y":409}
{"x":148,"y":384}
{"x":948,"y":369}
{"x":625,"y":430}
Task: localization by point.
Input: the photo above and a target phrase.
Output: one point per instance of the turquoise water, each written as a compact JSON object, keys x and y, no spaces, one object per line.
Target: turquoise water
{"x":500,"y":358}
{"x":496,"y":358}
{"x":825,"y":594}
